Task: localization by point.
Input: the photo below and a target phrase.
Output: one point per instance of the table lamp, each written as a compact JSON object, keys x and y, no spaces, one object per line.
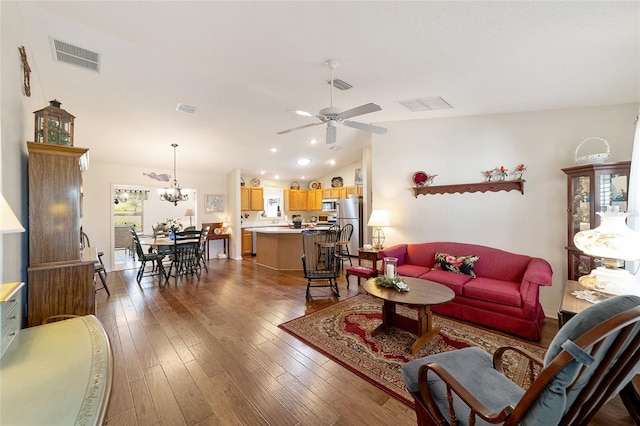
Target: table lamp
{"x":189,"y":213}
{"x":9,"y":223}
{"x":378,"y":219}
{"x":614,"y":242}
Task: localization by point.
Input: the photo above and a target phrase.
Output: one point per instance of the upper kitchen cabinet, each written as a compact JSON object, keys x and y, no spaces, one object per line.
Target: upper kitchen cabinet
{"x":251,"y":198}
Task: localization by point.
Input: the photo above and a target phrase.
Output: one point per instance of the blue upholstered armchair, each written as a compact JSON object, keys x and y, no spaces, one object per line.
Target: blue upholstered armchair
{"x":591,"y":359}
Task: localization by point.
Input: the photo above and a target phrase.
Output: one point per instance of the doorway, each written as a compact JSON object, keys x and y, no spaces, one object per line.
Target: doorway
{"x":141,"y":208}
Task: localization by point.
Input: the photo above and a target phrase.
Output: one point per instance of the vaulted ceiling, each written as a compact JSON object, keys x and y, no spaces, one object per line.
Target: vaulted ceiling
{"x":246,"y":65}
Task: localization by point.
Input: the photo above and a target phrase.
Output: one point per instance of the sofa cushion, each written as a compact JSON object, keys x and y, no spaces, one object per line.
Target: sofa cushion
{"x":452,"y":280}
{"x":492,"y":290}
{"x":420,"y":254}
{"x":453,"y":263}
{"x":398,"y":252}
{"x":414,"y":271}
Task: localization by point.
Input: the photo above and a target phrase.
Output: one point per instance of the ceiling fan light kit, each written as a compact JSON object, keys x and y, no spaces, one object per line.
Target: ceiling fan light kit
{"x":334,"y":115}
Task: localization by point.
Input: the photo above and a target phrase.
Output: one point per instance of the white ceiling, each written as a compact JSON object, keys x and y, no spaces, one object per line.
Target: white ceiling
{"x":245,"y":64}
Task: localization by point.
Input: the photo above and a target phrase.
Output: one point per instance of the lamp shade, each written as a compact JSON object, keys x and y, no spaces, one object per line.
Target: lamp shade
{"x":9,"y":223}
{"x":613,"y":239}
{"x":379,"y":218}
{"x":189,"y":212}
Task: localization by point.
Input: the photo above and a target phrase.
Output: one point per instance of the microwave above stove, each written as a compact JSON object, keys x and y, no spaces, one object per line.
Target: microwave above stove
{"x":329,"y":205}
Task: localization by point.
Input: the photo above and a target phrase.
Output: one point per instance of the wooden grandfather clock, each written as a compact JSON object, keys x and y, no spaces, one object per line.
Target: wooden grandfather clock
{"x":59,"y":281}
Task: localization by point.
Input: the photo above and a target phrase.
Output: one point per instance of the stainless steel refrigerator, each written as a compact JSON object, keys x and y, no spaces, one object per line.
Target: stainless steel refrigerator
{"x":349,"y":210}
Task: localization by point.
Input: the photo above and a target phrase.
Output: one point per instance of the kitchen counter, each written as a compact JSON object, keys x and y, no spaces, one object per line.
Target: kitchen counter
{"x":287,"y":229}
{"x":280,"y":247}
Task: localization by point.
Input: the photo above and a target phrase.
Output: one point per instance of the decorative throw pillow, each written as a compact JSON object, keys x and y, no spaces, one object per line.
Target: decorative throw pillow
{"x":458,"y":264}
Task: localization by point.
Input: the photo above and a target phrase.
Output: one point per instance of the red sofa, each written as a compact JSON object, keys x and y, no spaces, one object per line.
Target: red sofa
{"x":503,"y":295}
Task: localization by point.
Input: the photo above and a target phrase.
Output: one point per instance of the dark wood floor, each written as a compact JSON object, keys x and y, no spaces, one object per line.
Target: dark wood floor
{"x":209,"y":352}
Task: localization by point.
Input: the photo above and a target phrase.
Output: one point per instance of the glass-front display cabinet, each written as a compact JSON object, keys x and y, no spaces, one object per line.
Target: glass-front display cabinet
{"x":590,"y":189}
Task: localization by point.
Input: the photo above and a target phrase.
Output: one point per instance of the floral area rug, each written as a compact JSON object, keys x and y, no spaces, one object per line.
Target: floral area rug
{"x":343,"y":333}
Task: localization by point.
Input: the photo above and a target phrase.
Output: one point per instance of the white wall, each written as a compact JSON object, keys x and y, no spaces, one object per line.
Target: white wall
{"x":14,"y":107}
{"x":458,"y":149}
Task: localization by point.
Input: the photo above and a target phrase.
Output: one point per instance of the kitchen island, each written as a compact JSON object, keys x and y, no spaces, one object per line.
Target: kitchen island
{"x":280,"y":247}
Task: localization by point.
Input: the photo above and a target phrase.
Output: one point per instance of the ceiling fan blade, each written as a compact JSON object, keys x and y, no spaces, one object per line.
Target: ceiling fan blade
{"x":366,"y":127}
{"x":362,"y":109}
{"x":331,"y":134}
{"x":297,"y":128}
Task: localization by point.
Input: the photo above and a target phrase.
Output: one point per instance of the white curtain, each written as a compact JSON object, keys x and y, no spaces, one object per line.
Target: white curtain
{"x":634,"y":194}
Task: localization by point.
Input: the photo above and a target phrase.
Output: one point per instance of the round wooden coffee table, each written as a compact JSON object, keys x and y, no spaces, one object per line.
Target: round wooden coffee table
{"x":421,"y":294}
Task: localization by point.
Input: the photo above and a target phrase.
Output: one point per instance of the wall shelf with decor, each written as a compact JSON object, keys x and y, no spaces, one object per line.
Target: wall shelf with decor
{"x":501,"y":185}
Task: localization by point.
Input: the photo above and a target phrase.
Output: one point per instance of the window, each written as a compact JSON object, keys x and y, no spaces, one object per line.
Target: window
{"x":273,"y":202}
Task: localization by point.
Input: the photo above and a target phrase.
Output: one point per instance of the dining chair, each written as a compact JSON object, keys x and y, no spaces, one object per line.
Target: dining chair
{"x":184,"y":256}
{"x":157,"y":266}
{"x":591,"y":359}
{"x":343,"y":244}
{"x":98,"y":267}
{"x":319,"y":260}
{"x":202,"y":246}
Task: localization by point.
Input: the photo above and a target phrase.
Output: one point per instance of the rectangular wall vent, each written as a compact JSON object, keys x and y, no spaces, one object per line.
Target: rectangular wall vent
{"x":425,"y":104}
{"x":74,"y":55}
{"x":340,"y":84}
{"x":186,"y":108}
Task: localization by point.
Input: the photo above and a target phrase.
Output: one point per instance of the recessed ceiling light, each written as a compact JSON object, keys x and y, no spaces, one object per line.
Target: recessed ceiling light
{"x":314,"y":141}
{"x":262,"y":172}
{"x":332,"y":162}
{"x":274,"y":149}
{"x":277,"y":176}
{"x":303,"y":161}
{"x":302,"y":177}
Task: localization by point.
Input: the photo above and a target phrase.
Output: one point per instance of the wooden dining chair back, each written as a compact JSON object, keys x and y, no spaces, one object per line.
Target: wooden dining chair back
{"x":184,"y":256}
{"x":156,"y":259}
{"x":592,"y":359}
{"x":202,"y":247}
{"x":99,"y":271}
{"x":319,"y":260}
{"x":346,"y":232}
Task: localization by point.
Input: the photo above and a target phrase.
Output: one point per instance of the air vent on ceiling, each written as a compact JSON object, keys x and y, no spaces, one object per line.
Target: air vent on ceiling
{"x":186,"y":108}
{"x":340,"y":84}
{"x":74,"y":55}
{"x":425,"y":104}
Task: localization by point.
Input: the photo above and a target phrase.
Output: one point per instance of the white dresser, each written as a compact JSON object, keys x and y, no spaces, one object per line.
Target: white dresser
{"x":10,"y":313}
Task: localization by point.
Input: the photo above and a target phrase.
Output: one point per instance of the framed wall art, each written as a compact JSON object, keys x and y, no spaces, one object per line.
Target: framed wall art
{"x":213,"y":203}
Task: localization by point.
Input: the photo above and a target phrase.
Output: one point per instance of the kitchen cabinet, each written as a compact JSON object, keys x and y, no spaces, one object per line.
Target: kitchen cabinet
{"x":58,"y":281}
{"x":314,"y":200}
{"x":342,"y":192}
{"x":590,"y":189}
{"x":247,"y":242}
{"x":295,"y":200}
{"x":331,"y":193}
{"x":251,"y":198}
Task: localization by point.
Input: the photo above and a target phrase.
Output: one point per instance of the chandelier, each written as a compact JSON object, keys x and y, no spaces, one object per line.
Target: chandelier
{"x":174,"y":194}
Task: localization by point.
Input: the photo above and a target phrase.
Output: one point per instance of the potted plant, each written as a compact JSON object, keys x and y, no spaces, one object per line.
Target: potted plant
{"x":297,"y":222}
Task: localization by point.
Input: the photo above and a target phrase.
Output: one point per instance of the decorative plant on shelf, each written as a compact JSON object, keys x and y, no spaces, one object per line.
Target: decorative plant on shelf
{"x":519,"y":171}
{"x":297,"y":222}
{"x":488,"y":174}
{"x":395,"y":282}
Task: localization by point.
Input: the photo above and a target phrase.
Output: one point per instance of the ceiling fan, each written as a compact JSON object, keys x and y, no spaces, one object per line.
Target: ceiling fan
{"x":333,"y":116}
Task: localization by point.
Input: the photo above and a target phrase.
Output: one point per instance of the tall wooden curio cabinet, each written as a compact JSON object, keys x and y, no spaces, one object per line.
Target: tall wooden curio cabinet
{"x":590,"y":189}
{"x":59,"y":282}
